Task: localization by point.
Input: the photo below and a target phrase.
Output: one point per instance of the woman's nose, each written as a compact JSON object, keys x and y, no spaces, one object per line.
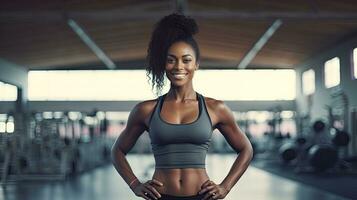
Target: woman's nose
{"x":179,"y":65}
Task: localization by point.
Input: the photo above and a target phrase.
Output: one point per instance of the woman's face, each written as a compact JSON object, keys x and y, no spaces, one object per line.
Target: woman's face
{"x":180,"y":63}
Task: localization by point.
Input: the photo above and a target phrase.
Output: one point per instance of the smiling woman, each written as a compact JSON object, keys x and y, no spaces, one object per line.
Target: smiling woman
{"x":181,"y":63}
{"x":162,"y":51}
{"x":180,"y":123}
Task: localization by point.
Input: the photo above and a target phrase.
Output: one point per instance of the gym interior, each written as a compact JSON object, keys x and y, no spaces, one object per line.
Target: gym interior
{"x":71,"y":71}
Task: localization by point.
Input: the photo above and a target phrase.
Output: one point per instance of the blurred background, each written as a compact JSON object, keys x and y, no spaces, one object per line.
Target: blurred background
{"x":71,"y":71}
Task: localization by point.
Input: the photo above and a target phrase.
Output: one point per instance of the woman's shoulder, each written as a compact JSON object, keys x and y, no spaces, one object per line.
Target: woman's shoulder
{"x":145,"y":107}
{"x":213,"y":103}
{"x":219,"y":110}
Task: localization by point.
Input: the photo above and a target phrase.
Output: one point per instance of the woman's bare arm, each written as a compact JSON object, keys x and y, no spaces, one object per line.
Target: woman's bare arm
{"x":126,"y":140}
{"x":237,"y":140}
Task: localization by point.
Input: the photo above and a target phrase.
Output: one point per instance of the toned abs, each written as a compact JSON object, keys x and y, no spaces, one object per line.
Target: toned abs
{"x":181,"y":182}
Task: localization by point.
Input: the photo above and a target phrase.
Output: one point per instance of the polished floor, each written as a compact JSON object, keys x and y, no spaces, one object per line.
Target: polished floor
{"x":104,"y":183}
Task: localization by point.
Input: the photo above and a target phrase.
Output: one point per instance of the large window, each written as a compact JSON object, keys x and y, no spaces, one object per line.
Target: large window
{"x":332,"y":72}
{"x":247,"y":85}
{"x":308,"y":82}
{"x":354,"y":66}
{"x":89,"y":85}
{"x":7,"y":92}
{"x":133,"y":85}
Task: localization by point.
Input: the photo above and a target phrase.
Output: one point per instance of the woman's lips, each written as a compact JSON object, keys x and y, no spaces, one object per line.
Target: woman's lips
{"x":179,"y":75}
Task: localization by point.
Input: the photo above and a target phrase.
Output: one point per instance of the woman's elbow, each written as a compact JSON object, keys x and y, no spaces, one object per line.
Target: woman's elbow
{"x":248,"y":151}
{"x":251,"y":151}
{"x":114,"y":153}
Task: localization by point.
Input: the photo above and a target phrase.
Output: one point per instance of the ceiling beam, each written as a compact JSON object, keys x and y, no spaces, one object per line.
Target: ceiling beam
{"x":91,"y":44}
{"x":259,"y":44}
{"x":314,"y":6}
{"x":110,"y":15}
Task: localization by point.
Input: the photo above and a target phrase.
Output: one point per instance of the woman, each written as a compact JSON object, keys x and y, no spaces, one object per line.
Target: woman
{"x":180,"y":123}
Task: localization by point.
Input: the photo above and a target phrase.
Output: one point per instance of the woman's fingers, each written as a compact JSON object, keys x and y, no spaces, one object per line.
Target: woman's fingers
{"x":154,"y":181}
{"x":212,"y":194}
{"x":206,"y":183}
{"x":148,"y":193}
{"x":144,"y":196}
{"x":153,"y":190}
{"x":210,"y":187}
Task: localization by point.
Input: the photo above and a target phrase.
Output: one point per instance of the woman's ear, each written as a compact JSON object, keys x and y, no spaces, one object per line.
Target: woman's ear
{"x":197,"y":65}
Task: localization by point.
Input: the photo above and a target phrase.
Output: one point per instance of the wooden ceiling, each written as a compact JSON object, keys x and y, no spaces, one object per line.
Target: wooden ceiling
{"x":36,"y":35}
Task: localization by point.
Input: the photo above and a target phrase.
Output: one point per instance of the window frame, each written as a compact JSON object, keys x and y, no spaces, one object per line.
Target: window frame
{"x":325,"y":71}
{"x":314,"y":82}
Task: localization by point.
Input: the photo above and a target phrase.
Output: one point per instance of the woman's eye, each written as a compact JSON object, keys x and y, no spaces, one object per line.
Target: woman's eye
{"x":187,"y":60}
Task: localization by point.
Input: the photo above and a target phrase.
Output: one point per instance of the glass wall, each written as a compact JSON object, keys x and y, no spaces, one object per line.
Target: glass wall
{"x":8,"y":92}
{"x":354,"y":64}
{"x":308,"y":82}
{"x":332,"y":72}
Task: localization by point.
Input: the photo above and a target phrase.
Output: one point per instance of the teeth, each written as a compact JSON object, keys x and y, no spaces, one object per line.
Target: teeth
{"x":179,"y":76}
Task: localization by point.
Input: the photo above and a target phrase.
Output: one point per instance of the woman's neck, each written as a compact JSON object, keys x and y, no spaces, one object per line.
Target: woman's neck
{"x":181,"y":95}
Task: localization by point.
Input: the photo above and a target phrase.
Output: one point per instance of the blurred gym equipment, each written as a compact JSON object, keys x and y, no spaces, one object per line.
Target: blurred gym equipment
{"x":322,"y":157}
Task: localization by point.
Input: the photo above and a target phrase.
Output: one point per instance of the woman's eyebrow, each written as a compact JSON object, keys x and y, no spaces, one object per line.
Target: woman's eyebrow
{"x":182,"y":56}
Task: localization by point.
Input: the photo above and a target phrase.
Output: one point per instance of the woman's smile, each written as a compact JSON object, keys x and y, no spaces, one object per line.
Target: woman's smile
{"x":179,"y":75}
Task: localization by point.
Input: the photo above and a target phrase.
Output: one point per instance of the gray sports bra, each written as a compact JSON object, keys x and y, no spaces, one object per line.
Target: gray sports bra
{"x":180,"y":145}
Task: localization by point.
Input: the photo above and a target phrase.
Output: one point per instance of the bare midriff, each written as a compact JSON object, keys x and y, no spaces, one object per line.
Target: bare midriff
{"x":180,"y":182}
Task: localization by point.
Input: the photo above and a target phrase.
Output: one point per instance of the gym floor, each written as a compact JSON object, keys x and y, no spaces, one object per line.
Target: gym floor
{"x":342,"y":183}
{"x":104,"y":183}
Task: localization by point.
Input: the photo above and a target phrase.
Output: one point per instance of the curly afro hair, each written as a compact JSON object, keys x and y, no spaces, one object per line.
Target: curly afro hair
{"x":170,"y":29}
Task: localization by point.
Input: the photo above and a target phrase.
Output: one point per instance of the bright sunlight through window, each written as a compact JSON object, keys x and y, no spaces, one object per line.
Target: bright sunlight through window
{"x":92,"y":85}
{"x":308,"y":82}
{"x":355,"y":63}
{"x":332,"y":72}
{"x":8,"y":92}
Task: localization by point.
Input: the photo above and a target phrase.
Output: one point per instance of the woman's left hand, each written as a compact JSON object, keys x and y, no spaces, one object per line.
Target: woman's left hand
{"x":213,"y":191}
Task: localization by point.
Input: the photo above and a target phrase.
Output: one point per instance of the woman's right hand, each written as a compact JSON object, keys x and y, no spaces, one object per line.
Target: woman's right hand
{"x":147,"y":190}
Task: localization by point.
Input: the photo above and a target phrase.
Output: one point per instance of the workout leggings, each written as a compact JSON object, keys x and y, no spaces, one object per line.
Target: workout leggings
{"x":170,"y":197}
